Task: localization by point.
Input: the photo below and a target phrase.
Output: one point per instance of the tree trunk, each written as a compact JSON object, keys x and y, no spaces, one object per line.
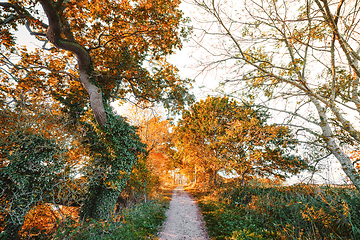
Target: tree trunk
{"x":242,"y":180}
{"x":15,"y":223}
{"x":195,"y":175}
{"x":334,"y":147}
{"x":54,"y":35}
{"x":212,"y":178}
{"x":345,"y":161}
{"x":96,"y":99}
{"x":11,"y":230}
{"x":101,"y":200}
{"x":100,"y":203}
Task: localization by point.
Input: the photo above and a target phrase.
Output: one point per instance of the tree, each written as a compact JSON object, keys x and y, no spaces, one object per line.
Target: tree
{"x":156,"y":134}
{"x":219,"y":134}
{"x":95,"y":52}
{"x":296,"y":58}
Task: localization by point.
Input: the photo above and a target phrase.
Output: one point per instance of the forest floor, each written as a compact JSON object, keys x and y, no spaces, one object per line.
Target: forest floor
{"x":183,"y":218}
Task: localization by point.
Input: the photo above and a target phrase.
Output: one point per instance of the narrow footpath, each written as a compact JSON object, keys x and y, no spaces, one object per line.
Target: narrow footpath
{"x":183,"y":218}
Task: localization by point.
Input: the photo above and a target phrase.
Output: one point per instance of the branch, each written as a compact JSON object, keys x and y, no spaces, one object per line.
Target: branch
{"x":136,"y":95}
{"x":21,"y":14}
{"x":283,"y":111}
{"x":86,"y":72}
{"x":99,"y":45}
{"x":11,"y":17}
{"x":27,"y":25}
{"x":59,"y":71}
{"x":349,"y":53}
{"x":356,"y":161}
{"x":8,"y":20}
{"x":316,"y":163}
{"x":9,"y":62}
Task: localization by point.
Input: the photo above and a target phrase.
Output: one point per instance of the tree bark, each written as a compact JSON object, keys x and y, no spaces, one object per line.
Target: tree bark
{"x":84,"y":60}
{"x":101,"y":200}
{"x":334,"y":147}
{"x":100,"y":204}
{"x":11,"y":231}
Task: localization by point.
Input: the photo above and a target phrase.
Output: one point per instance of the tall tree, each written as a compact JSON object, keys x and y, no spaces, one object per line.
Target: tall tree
{"x":297,"y":58}
{"x":95,"y":52}
{"x":218,"y":133}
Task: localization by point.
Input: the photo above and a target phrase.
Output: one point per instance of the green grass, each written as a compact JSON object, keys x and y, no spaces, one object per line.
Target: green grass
{"x":138,"y":222}
{"x":297,"y":212}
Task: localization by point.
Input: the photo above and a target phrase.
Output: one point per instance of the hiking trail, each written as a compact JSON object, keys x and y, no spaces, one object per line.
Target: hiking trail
{"x":183,"y":218}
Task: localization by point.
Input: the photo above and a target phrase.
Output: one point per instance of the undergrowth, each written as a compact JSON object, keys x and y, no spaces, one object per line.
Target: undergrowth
{"x":138,"y":222}
{"x":295,"y":212}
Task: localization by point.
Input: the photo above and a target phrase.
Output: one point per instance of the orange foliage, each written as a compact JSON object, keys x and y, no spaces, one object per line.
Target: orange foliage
{"x":355,"y":158}
{"x":44,"y":218}
{"x":220,"y":134}
{"x":42,"y":92}
{"x":156,"y":134}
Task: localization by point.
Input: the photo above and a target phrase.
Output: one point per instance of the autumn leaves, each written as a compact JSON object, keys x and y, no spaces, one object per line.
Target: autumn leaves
{"x":219,"y":134}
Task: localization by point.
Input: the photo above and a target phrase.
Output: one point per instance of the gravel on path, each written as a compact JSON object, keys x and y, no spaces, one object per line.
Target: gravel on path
{"x":183,"y":218}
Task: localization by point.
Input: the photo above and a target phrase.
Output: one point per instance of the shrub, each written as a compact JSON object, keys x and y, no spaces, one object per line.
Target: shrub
{"x":296,"y":212}
{"x":139,"y":222}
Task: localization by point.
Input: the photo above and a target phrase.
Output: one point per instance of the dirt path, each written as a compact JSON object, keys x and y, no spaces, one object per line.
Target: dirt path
{"x":184,"y":221}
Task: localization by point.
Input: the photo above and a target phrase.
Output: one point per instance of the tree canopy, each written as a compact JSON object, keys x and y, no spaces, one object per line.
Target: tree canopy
{"x":220,"y":134}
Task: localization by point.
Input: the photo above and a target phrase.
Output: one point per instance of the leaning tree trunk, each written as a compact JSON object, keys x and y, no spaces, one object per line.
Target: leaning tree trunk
{"x":12,"y":228}
{"x":54,"y":31}
{"x":15,"y":220}
{"x":333,"y":146}
{"x":100,"y":203}
{"x":101,"y":200}
{"x":351,"y":56}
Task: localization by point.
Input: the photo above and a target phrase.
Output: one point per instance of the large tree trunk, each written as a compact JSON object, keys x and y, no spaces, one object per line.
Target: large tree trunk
{"x":87,"y":78}
{"x":212,"y":178}
{"x":11,"y":230}
{"x":14,"y":223}
{"x":242,"y":180}
{"x":100,"y":203}
{"x":101,"y":200}
{"x":345,"y":161}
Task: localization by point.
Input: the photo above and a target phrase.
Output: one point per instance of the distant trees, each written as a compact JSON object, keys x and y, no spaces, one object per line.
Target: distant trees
{"x":298,"y":58}
{"x":157,"y":134}
{"x":219,"y":134}
{"x":154,"y":164}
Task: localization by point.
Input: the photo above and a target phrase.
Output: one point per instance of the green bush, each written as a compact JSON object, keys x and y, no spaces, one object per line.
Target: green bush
{"x":246,"y":235}
{"x":139,"y":222}
{"x":224,"y":221}
{"x":296,"y":212}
